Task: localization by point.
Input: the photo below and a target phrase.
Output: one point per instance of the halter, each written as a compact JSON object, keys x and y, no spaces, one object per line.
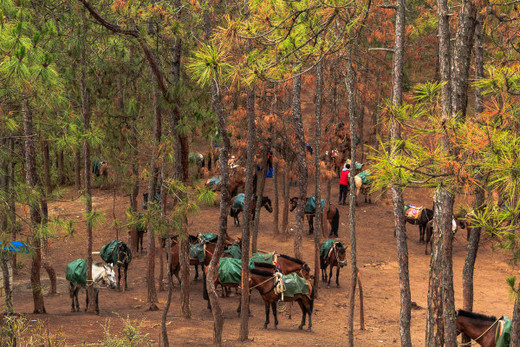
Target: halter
{"x":484,"y":333}
{"x":344,"y":262}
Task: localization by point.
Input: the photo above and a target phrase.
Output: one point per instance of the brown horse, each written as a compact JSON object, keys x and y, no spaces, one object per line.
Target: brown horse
{"x":209,"y":249}
{"x":480,"y":328}
{"x":362,"y":188}
{"x":265,"y":282}
{"x":429,"y":233}
{"x":332,"y":217}
{"x":234,"y":212}
{"x":336,"y":257}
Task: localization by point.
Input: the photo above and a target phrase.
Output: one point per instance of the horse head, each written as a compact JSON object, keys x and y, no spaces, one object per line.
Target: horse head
{"x":109,"y":276}
{"x":341,"y":254}
{"x":266,"y":202}
{"x":294,"y":203}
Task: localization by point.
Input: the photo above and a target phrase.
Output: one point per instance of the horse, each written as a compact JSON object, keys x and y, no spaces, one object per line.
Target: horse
{"x":429,"y":233}
{"x":120,"y":257}
{"x":141,"y":230}
{"x":102,"y":275}
{"x":266,"y":283}
{"x":425,"y":216}
{"x":234,"y":212}
{"x":332,"y":217}
{"x":363,"y":188}
{"x":480,"y":328}
{"x":336,"y":257}
{"x":337,"y":160}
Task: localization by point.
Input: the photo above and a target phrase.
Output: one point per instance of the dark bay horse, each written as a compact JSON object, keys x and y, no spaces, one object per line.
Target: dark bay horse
{"x":209,"y":249}
{"x":124,"y":259}
{"x":332,"y":217}
{"x":425,"y":216}
{"x":234,"y":212}
{"x":336,"y":257}
{"x":480,"y":328}
{"x":429,"y":233}
{"x":266,"y":282}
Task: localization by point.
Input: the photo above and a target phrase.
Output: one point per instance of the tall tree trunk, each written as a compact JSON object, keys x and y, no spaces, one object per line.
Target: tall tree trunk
{"x":285,"y":198}
{"x":246,"y":216}
{"x":349,"y":82}
{"x":7,"y":285}
{"x":12,"y":201}
{"x":260,"y":194}
{"x":317,"y":188}
{"x":150,"y":274}
{"x":515,"y":329}
{"x":45,"y":247}
{"x":31,"y":179}
{"x":218,"y":317}
{"x":164,"y":331}
{"x":135,"y":185}
{"x":302,"y":165}
{"x":46,"y":166}
{"x":85,"y":111}
{"x":60,"y":165}
{"x":462,"y":57}
{"x":276,"y":208}
{"x":77,"y":169}
{"x":397,"y":192}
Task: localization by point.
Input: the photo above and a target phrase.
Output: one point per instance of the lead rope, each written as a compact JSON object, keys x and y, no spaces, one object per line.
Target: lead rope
{"x":484,"y":333}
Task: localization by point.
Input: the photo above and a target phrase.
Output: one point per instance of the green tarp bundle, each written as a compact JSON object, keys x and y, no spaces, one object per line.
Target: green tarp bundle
{"x":260,"y":258}
{"x":365,"y":176}
{"x":294,"y":284}
{"x":310,"y":204}
{"x":77,"y":271}
{"x":505,"y":337}
{"x":197,"y":252}
{"x":95,"y":166}
{"x":110,"y":252}
{"x":209,"y":237}
{"x":325,"y":248}
{"x":235,"y":251}
{"x":238,"y":201}
{"x":214,"y":181}
{"x":229,"y":270}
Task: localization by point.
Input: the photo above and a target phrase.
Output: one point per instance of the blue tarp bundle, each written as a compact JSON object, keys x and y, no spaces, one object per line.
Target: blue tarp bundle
{"x":310,"y":205}
{"x":15,"y":246}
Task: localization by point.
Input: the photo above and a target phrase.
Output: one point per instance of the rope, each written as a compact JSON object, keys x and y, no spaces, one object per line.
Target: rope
{"x":259,"y":284}
{"x":279,"y":285}
{"x":484,"y":333}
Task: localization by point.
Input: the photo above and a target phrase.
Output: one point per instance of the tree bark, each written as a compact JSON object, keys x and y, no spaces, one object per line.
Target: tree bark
{"x":462,"y":57}
{"x":150,"y":274}
{"x":224,"y":208}
{"x":45,"y":248}
{"x":46,"y":166}
{"x":246,"y":216}
{"x":260,"y":194}
{"x":479,"y":61}
{"x":302,"y":165}
{"x":77,"y":169}
{"x":349,"y":82}
{"x":164,"y":331}
{"x":61,"y":171}
{"x":397,"y":192}
{"x":515,"y":329}
{"x":285,"y":198}
{"x":31,"y":179}
{"x":276,"y":208}
{"x":135,"y":184}
{"x":317,"y":190}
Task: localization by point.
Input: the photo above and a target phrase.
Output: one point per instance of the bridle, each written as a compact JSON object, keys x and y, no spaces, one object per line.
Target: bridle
{"x":481,"y":335}
{"x":340,"y":263}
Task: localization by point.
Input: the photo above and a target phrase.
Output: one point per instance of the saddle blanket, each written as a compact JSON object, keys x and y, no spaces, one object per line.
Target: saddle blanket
{"x":77,"y":271}
{"x":326,"y":247}
{"x":310,"y":204}
{"x":238,"y":202}
{"x":230,"y":270}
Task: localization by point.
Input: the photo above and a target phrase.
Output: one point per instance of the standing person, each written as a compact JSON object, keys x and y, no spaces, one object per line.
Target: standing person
{"x":343,"y":184}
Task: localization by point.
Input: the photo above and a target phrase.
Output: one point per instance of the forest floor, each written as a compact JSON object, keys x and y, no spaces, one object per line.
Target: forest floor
{"x":377,"y":259}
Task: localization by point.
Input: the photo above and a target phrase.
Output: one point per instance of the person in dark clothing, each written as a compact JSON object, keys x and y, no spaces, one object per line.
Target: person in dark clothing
{"x":343,"y":184}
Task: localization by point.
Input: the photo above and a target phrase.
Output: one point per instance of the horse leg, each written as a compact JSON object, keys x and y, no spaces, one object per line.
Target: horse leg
{"x":330,"y":276}
{"x":86,"y":299}
{"x":266,"y":303}
{"x":310,"y":218}
{"x":304,"y":313}
{"x":196,"y":272}
{"x":76,"y":297}
{"x":96,"y":295}
{"x":422,"y":228}
{"x":275,"y":314}
{"x":309,"y":311}
{"x":337,"y":276}
{"x":125,"y":274}
{"x":118,"y":276}
{"x":323,"y":268}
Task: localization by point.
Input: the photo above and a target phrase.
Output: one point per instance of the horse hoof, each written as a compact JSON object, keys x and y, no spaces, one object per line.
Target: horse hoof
{"x":328,"y":286}
{"x":300,"y":327}
{"x":265,"y":326}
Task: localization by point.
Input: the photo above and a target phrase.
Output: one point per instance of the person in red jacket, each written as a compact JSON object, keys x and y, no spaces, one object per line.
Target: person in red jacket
{"x":343,"y":184}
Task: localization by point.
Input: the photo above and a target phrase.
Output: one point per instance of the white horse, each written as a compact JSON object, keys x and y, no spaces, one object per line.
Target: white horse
{"x":103,"y":275}
{"x":362,"y":188}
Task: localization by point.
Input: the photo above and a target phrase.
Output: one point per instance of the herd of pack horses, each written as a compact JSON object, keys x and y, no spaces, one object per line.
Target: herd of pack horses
{"x":267,"y":275}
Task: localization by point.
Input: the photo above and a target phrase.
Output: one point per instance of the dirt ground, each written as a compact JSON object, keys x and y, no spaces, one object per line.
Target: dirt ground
{"x":377,"y":259}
